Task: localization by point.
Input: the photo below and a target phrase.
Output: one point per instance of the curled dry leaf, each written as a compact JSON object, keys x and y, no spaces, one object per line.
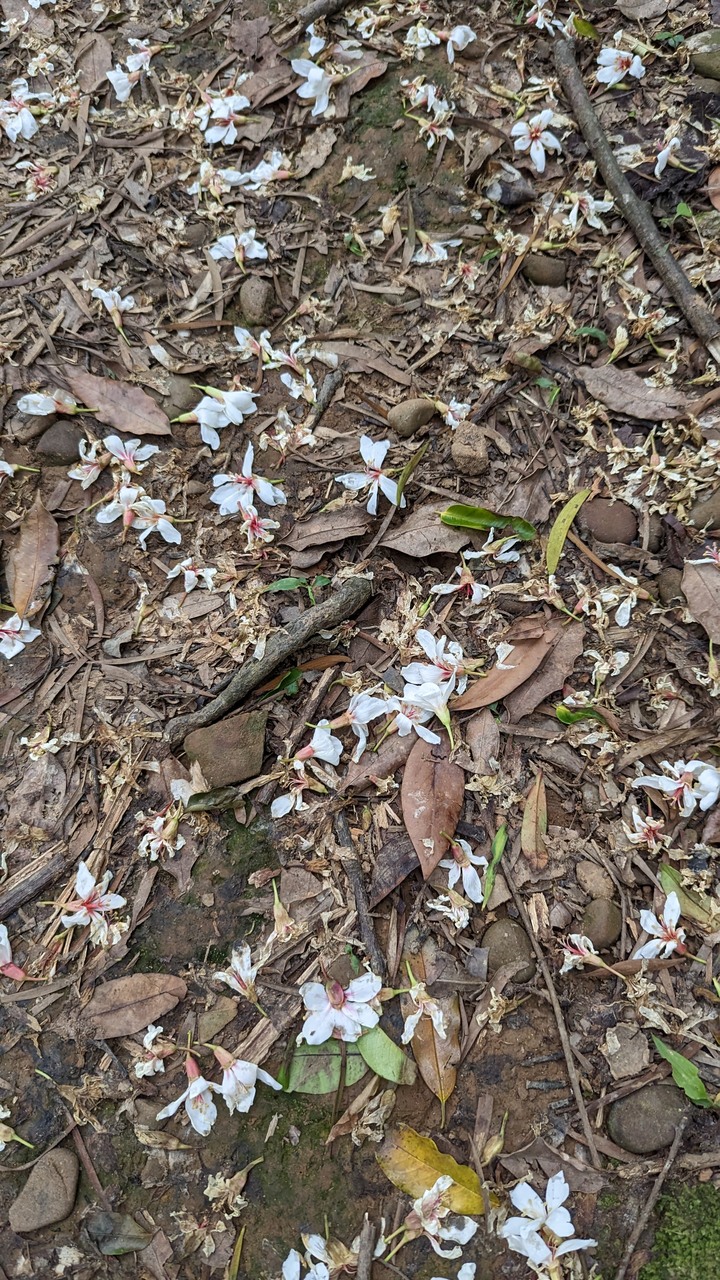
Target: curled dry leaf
{"x":534,"y":826}
{"x":551,"y":674}
{"x":627,"y":393}
{"x":93,"y":60}
{"x":432,"y":794}
{"x":483,"y":738}
{"x":394,"y":863}
{"x":701,"y":587}
{"x":30,"y":565}
{"x":524,"y":660}
{"x":118,"y":404}
{"x":413,"y":1163}
{"x":375,"y":767}
{"x":127,"y":1005}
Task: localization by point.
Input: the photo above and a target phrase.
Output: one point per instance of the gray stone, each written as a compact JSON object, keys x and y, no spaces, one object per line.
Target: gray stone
{"x":257,"y":298}
{"x":231,"y":750}
{"x":540,"y":268}
{"x":181,"y":396}
{"x":602,"y":922}
{"x":669,"y":586}
{"x":507,"y":942}
{"x":59,"y":444}
{"x":469,"y":449}
{"x":646,"y":1121}
{"x":609,"y":521}
{"x":704,"y":50}
{"x":49,"y":1193}
{"x":405,"y":418}
{"x":594,"y":880}
{"x":706,"y":513}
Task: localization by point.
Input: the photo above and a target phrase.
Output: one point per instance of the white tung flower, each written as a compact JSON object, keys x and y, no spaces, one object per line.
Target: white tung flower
{"x":687,"y":785}
{"x":664,"y":156}
{"x":340,"y":1012}
{"x":615,"y":64}
{"x":92,"y":905}
{"x":193,"y":575}
{"x":241,"y":247}
{"x":317,"y":84}
{"x":199,"y":1106}
{"x":373,"y":478}
{"x":458,"y":39}
{"x":15,"y":634}
{"x":666,"y":935}
{"x":524,"y":1234}
{"x":463,"y":863}
{"x":534,"y":136}
{"x":238,"y":489}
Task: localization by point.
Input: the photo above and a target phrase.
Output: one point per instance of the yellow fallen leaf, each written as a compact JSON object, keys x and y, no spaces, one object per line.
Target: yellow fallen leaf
{"x":559,"y":531}
{"x":414,"y":1164}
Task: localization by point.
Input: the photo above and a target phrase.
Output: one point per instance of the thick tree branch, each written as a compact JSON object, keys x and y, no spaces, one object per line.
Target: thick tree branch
{"x":350,"y":596}
{"x":634,"y":210}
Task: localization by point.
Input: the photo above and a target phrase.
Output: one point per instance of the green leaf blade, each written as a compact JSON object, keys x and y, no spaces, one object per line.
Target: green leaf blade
{"x":461,"y":516}
{"x":316,"y":1068}
{"x":561,"y":528}
{"x":685,"y":1074}
{"x":386,"y":1058}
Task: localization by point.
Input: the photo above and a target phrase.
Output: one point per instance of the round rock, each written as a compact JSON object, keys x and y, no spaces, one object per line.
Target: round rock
{"x":257,"y":298}
{"x":609,"y":521}
{"x":49,"y":1193}
{"x":669,"y":586}
{"x":59,"y":444}
{"x":706,"y":514}
{"x":540,"y":268}
{"x":469,"y":450}
{"x":646,"y":1121}
{"x":508,"y":942}
{"x":408,"y":416}
{"x":594,"y":880}
{"x":602,"y":922}
{"x":704,"y":50}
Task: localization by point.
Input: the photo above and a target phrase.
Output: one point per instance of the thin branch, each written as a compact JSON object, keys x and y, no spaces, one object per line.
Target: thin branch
{"x":652,"y":1200}
{"x":634,"y":210}
{"x":350,"y":596}
{"x":366,"y":1250}
{"x":562,"y":1030}
{"x":351,"y":863}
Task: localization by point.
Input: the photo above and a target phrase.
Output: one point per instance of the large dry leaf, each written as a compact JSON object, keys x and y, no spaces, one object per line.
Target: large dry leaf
{"x":31,"y":564}
{"x":127,"y":1005}
{"x":93,"y":60}
{"x":423,"y":534}
{"x":437,"y":1059}
{"x":396,"y":860}
{"x":362,"y":73}
{"x":432,"y":793}
{"x":516,"y":669}
{"x":118,"y":404}
{"x":329,"y":526}
{"x":483,"y":738}
{"x":534,"y":826}
{"x":626,"y":393}
{"x":413,"y":1163}
{"x":314,"y":151}
{"x":553,"y":673}
{"x":701,"y":586}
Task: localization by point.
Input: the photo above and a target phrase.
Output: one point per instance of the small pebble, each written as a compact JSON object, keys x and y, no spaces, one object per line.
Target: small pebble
{"x":49,"y":1193}
{"x":669,"y":586}
{"x":408,"y":416}
{"x":704,"y":50}
{"x":609,"y":521}
{"x":59,"y":444}
{"x":469,"y":449}
{"x":540,"y":268}
{"x":257,"y":298}
{"x":645,"y":1121}
{"x":706,"y":513}
{"x":602,"y":922}
{"x":594,"y":880}
{"x":506,"y":942}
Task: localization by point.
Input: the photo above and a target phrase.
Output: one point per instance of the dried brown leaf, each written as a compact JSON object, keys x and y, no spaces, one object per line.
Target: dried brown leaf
{"x":423,"y":534}
{"x":93,"y":60}
{"x":436,"y":1058}
{"x":396,"y":860}
{"x":314,"y":151}
{"x":483,"y":738}
{"x":118,"y":404}
{"x":362,"y":73}
{"x":329,"y":526}
{"x":127,"y":1005}
{"x":627,"y":393}
{"x":701,"y":586}
{"x":534,"y":826}
{"x":551,"y":676}
{"x":432,"y":794}
{"x":30,"y":566}
{"x":517,"y":668}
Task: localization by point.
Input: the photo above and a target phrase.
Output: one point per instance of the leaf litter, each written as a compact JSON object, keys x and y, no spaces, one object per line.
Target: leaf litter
{"x":376,"y":246}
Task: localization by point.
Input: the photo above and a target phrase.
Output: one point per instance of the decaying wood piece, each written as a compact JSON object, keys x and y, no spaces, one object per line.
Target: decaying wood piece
{"x":350,"y":596}
{"x":634,"y":210}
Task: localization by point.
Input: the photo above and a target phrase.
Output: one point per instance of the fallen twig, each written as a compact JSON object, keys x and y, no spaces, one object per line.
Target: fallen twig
{"x":341,"y":605}
{"x":351,"y":863}
{"x":562,"y":1030}
{"x":634,"y":210}
{"x":650,"y":1203}
{"x":366,"y":1251}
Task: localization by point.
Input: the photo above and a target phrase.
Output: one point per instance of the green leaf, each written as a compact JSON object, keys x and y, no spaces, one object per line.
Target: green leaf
{"x":560,"y":529}
{"x":285,"y":584}
{"x":409,"y":467}
{"x":566,"y":716}
{"x":694,"y":906}
{"x":585,"y":28}
{"x":683,"y":210}
{"x":290,"y":683}
{"x":386,"y":1058}
{"x":496,"y":853}
{"x":589,"y":331}
{"x":315,"y":1068}
{"x":321,"y":580}
{"x":459,"y":516}
{"x":685,"y":1074}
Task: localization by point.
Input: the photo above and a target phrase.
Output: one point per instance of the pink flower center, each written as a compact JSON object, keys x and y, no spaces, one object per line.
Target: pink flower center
{"x":335,"y":994}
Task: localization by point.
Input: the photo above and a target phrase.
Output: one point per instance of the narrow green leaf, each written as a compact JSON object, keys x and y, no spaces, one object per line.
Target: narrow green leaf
{"x":409,"y":467}
{"x":290,"y":683}
{"x":585,"y":28}
{"x":496,"y":853}
{"x":683,"y":210}
{"x":285,"y":584}
{"x":685,"y":1074}
{"x":459,"y":516}
{"x":566,"y":716}
{"x":559,"y":531}
{"x":315,"y":1068}
{"x":589,"y":331}
{"x":386,"y":1058}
